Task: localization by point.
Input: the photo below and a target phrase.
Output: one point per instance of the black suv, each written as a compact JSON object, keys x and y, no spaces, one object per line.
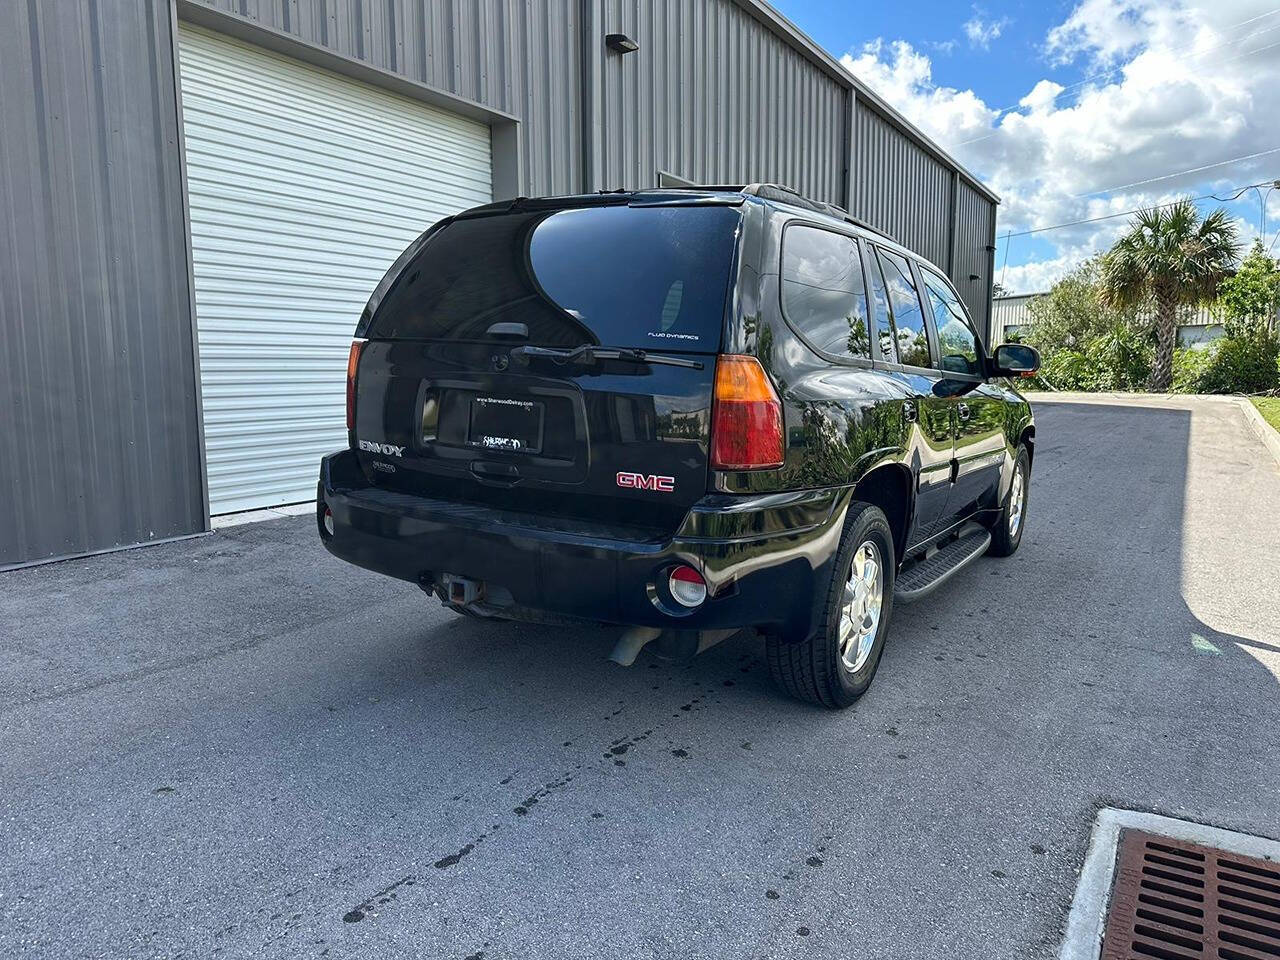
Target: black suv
{"x":685,"y":411}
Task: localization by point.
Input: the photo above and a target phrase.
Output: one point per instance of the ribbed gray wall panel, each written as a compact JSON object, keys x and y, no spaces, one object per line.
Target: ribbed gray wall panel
{"x":714,"y":97}
{"x":975,"y":238}
{"x":516,"y":56}
{"x":900,"y":188}
{"x":97,"y":382}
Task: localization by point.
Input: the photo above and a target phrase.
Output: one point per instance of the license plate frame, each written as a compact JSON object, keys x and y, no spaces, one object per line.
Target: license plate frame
{"x":506,"y":424}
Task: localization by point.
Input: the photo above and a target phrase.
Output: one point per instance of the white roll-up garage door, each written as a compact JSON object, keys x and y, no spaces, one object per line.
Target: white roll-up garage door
{"x":304,"y":186}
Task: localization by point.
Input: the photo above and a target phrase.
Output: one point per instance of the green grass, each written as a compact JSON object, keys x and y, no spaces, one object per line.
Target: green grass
{"x":1269,"y":407}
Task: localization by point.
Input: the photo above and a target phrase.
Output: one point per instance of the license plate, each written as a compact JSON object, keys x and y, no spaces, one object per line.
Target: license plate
{"x":504,"y":423}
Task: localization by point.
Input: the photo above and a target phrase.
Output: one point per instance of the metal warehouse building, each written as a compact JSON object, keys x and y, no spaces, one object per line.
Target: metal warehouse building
{"x":197,"y":198}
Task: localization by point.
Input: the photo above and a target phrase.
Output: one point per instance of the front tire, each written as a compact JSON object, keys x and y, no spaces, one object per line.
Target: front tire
{"x":1006,"y":533}
{"x":835,"y":664}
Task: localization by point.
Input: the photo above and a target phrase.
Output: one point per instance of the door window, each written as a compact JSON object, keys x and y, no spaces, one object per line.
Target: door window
{"x":908,"y":317}
{"x":822,"y":291}
{"x":957,"y":341}
{"x":880,"y":310}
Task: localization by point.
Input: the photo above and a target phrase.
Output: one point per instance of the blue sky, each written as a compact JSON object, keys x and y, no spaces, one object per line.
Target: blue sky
{"x":938,"y":29}
{"x":1074,"y":110}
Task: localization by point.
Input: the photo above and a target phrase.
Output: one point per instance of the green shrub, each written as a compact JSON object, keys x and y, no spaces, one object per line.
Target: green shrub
{"x":1243,"y":364}
{"x":1070,"y":314}
{"x":1189,"y":367}
{"x":1070,"y":370}
{"x":1087,"y":345}
{"x":1122,"y":356}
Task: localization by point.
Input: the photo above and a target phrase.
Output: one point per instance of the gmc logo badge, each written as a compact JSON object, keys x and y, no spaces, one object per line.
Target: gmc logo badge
{"x":646,"y":481}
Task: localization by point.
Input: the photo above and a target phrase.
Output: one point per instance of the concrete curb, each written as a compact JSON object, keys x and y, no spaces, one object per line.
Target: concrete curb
{"x":1087,"y":919}
{"x":1266,"y":433}
{"x":1154,"y":399}
{"x":222,"y":521}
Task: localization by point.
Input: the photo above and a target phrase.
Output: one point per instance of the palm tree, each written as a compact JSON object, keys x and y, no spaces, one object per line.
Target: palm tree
{"x":1172,"y":257}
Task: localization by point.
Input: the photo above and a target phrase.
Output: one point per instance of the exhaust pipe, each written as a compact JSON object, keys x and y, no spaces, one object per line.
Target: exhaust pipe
{"x":630,"y":644}
{"x":678,"y":645}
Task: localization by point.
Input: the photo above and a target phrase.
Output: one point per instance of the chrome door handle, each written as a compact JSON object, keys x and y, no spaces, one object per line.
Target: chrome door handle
{"x":963,"y":410}
{"x":909,"y":413}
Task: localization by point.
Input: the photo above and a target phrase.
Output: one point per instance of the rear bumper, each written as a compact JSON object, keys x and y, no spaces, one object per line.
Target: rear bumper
{"x":765,"y":558}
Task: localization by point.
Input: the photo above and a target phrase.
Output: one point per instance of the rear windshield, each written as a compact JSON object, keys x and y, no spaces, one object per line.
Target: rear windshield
{"x":648,"y":277}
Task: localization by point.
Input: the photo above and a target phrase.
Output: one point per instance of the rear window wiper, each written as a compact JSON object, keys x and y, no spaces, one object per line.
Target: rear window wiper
{"x":590,"y":354}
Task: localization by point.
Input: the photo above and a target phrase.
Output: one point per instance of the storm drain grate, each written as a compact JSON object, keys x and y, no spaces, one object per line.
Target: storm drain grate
{"x":1175,"y":900}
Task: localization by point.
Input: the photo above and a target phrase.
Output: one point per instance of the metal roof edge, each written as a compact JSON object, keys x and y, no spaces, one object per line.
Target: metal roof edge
{"x":797,"y":38}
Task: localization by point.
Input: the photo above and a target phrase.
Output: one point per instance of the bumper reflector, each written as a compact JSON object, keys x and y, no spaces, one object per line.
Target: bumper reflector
{"x":687,"y":586}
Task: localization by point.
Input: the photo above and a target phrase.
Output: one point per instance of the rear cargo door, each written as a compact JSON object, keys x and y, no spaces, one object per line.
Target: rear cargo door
{"x":556,"y":361}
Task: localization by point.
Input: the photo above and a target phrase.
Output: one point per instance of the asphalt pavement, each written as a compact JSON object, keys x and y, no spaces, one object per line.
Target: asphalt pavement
{"x":238,"y":746}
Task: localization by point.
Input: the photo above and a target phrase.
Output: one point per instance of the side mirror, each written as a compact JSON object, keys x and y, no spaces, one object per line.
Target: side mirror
{"x":1015,"y":360}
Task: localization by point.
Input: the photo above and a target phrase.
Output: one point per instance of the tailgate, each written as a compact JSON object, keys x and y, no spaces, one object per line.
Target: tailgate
{"x":620,"y":441}
{"x":558,"y":360}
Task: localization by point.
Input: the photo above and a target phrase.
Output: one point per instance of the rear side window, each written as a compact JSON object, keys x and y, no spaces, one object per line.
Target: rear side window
{"x":908,"y":317}
{"x":957,"y":341}
{"x":880,"y":310}
{"x":822,"y":290}
{"x":649,"y":277}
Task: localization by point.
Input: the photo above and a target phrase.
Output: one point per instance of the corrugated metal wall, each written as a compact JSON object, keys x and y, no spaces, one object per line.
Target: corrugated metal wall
{"x":714,"y":94}
{"x":97,"y":383}
{"x":1197,"y":323}
{"x":517,"y":56}
{"x":714,"y":97}
{"x":899,"y":187}
{"x":975,"y":244}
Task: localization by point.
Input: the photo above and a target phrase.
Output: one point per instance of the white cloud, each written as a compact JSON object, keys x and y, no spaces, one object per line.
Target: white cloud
{"x":981,"y":31}
{"x":1168,"y":88}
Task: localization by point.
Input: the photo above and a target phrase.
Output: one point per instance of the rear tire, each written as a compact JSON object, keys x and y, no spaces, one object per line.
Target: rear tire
{"x":835,"y":664}
{"x":1006,"y":532}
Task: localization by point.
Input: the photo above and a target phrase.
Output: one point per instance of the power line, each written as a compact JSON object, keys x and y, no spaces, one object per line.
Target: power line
{"x":1126,"y":213}
{"x":1176,"y":50}
{"x":1079,"y":95}
{"x":1237,"y":195}
{"x":1180,"y":173}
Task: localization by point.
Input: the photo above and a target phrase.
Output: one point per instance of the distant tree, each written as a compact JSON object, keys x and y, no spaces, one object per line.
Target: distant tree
{"x":1086,"y":343}
{"x":1072,"y":313}
{"x":1174,"y":258}
{"x":1248,"y":300}
{"x":998,"y":289}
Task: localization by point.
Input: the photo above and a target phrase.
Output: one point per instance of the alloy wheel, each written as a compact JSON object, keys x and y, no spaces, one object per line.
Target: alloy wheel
{"x":1017,"y":500}
{"x":862,"y":605}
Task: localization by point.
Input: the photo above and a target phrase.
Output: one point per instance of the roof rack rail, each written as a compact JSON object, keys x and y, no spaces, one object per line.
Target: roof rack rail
{"x":782,"y":194}
{"x":700,"y":187}
{"x":785,"y":194}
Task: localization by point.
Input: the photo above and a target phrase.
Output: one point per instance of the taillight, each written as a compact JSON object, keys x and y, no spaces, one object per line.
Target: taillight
{"x":746,"y":417}
{"x":353,"y":361}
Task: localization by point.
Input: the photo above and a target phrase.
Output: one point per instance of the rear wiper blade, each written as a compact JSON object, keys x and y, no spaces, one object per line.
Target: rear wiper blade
{"x":590,"y":354}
